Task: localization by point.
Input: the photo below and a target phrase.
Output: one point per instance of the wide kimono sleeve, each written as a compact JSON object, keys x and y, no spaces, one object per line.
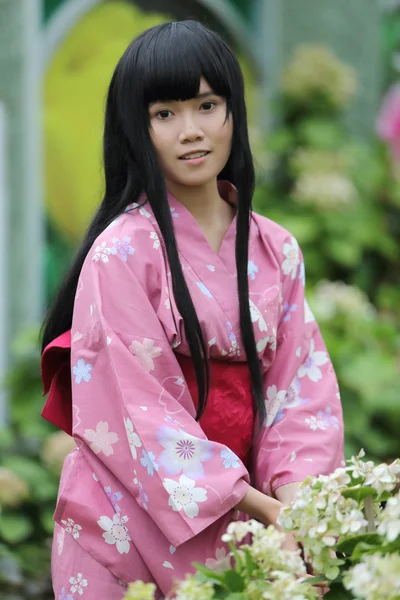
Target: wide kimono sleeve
{"x":131,"y":408}
{"x":303,"y":431}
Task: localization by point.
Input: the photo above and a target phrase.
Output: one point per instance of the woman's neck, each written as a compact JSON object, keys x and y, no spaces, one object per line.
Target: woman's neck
{"x":204,"y":203}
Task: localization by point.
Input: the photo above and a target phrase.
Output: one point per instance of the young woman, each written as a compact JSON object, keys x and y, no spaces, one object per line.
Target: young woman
{"x":180,"y":353}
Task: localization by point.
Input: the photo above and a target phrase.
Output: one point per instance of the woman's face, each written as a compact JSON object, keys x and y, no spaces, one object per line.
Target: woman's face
{"x":181,"y":130}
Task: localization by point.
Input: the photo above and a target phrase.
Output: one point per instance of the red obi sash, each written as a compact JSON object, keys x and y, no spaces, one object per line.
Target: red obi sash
{"x":228,"y":418}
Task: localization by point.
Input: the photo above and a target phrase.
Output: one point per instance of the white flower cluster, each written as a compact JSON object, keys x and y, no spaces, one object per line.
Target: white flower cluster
{"x":320,"y":515}
{"x":325,"y":190}
{"x":283,"y":571}
{"x":389,"y":519}
{"x":190,"y":589}
{"x":336,"y":297}
{"x":140,"y":591}
{"x":314,"y":72}
{"x":283,"y":586}
{"x":381,"y":478}
{"x":376,"y":577}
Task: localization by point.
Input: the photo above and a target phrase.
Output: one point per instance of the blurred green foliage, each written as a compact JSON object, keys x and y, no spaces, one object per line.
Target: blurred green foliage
{"x":29,"y":476}
{"x":341,"y":199}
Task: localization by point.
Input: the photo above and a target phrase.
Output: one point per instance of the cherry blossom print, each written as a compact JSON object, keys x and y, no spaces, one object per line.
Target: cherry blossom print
{"x":122,"y":247}
{"x":314,"y":360}
{"x":256,"y":316}
{"x":273,"y":403}
{"x":64,"y":596}
{"x":174,"y":214}
{"x":308,"y":314}
{"x":148,"y":461}
{"x":184,"y":495}
{"x":315,"y":423}
{"x":60,"y":540}
{"x":116,"y":532}
{"x":328,"y":419}
{"x":287,"y":310}
{"x":252,"y":269}
{"x":156,"y":240}
{"x":133,"y":438}
{"x":203,"y":288}
{"x":102,"y":252}
{"x":71,"y":527}
{"x":114,"y":498}
{"x":183,"y":452}
{"x":211,"y":268}
{"x":292,"y":399}
{"x":143,"y":211}
{"x":82,"y":371}
{"x":143,"y":498}
{"x":101,"y":439}
{"x":221,"y":562}
{"x":291,"y":252}
{"x":230,"y":460}
{"x":145,"y":353}
{"x":78,"y":583}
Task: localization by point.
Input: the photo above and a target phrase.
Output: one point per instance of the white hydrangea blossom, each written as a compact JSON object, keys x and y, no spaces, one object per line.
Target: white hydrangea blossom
{"x":283,"y":586}
{"x":376,"y":577}
{"x":190,"y":589}
{"x":389,"y":519}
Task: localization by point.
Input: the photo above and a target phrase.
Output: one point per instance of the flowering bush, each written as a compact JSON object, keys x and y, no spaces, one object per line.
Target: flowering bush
{"x":348,"y":525}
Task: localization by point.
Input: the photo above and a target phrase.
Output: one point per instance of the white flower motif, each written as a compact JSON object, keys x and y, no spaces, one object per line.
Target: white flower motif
{"x":221,"y":562}
{"x":133,"y":438}
{"x":101,"y":438}
{"x":156,"y":243}
{"x":145,"y":353}
{"x":183,"y":452}
{"x":308,"y":314}
{"x":273,"y":403}
{"x":315,"y":423}
{"x":142,"y":210}
{"x":174,"y":214}
{"x":204,"y":289}
{"x":72,"y":527}
{"x":292,"y":253}
{"x":78,"y":583}
{"x":314,"y":360}
{"x":102,"y":252}
{"x":256,"y":316}
{"x":60,"y":540}
{"x":122,"y":247}
{"x":184,"y":495}
{"x":116,"y":532}
{"x":82,"y":371}
{"x":252,"y":269}
{"x":230,"y":458}
{"x":148,"y":461}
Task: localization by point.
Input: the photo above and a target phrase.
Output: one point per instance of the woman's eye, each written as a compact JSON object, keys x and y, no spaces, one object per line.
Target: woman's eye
{"x":163,"y":114}
{"x":207,"y":106}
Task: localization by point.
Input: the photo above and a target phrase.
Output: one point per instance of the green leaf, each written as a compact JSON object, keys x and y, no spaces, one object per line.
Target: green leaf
{"x":250,"y":564}
{"x":347,"y":546}
{"x":234,"y":581}
{"x":360,"y":493}
{"x":46,"y":519}
{"x":209,"y":574}
{"x":42,"y":483}
{"x":338,"y":592}
{"x":15,"y":528}
{"x":234,"y":596}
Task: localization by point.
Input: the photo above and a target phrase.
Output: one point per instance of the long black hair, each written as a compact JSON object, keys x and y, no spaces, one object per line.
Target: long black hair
{"x":167,"y":62}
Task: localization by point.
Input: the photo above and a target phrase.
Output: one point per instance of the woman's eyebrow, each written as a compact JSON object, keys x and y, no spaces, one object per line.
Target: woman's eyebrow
{"x":199,"y":96}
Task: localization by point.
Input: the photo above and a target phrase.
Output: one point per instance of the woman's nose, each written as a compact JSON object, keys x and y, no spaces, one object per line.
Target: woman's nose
{"x":190,"y":131}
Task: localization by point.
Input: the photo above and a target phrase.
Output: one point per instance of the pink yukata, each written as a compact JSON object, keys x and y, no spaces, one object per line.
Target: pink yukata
{"x":145,"y":493}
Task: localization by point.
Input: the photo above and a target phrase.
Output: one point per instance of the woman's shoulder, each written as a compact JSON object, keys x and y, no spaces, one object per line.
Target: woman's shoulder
{"x":272,"y":234}
{"x":130,"y":243}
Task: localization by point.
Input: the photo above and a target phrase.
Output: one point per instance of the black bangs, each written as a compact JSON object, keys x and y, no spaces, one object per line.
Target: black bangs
{"x":173,"y":57}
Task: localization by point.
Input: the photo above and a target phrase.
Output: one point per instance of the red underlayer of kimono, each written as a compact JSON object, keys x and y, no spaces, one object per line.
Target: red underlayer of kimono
{"x":229,"y":405}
